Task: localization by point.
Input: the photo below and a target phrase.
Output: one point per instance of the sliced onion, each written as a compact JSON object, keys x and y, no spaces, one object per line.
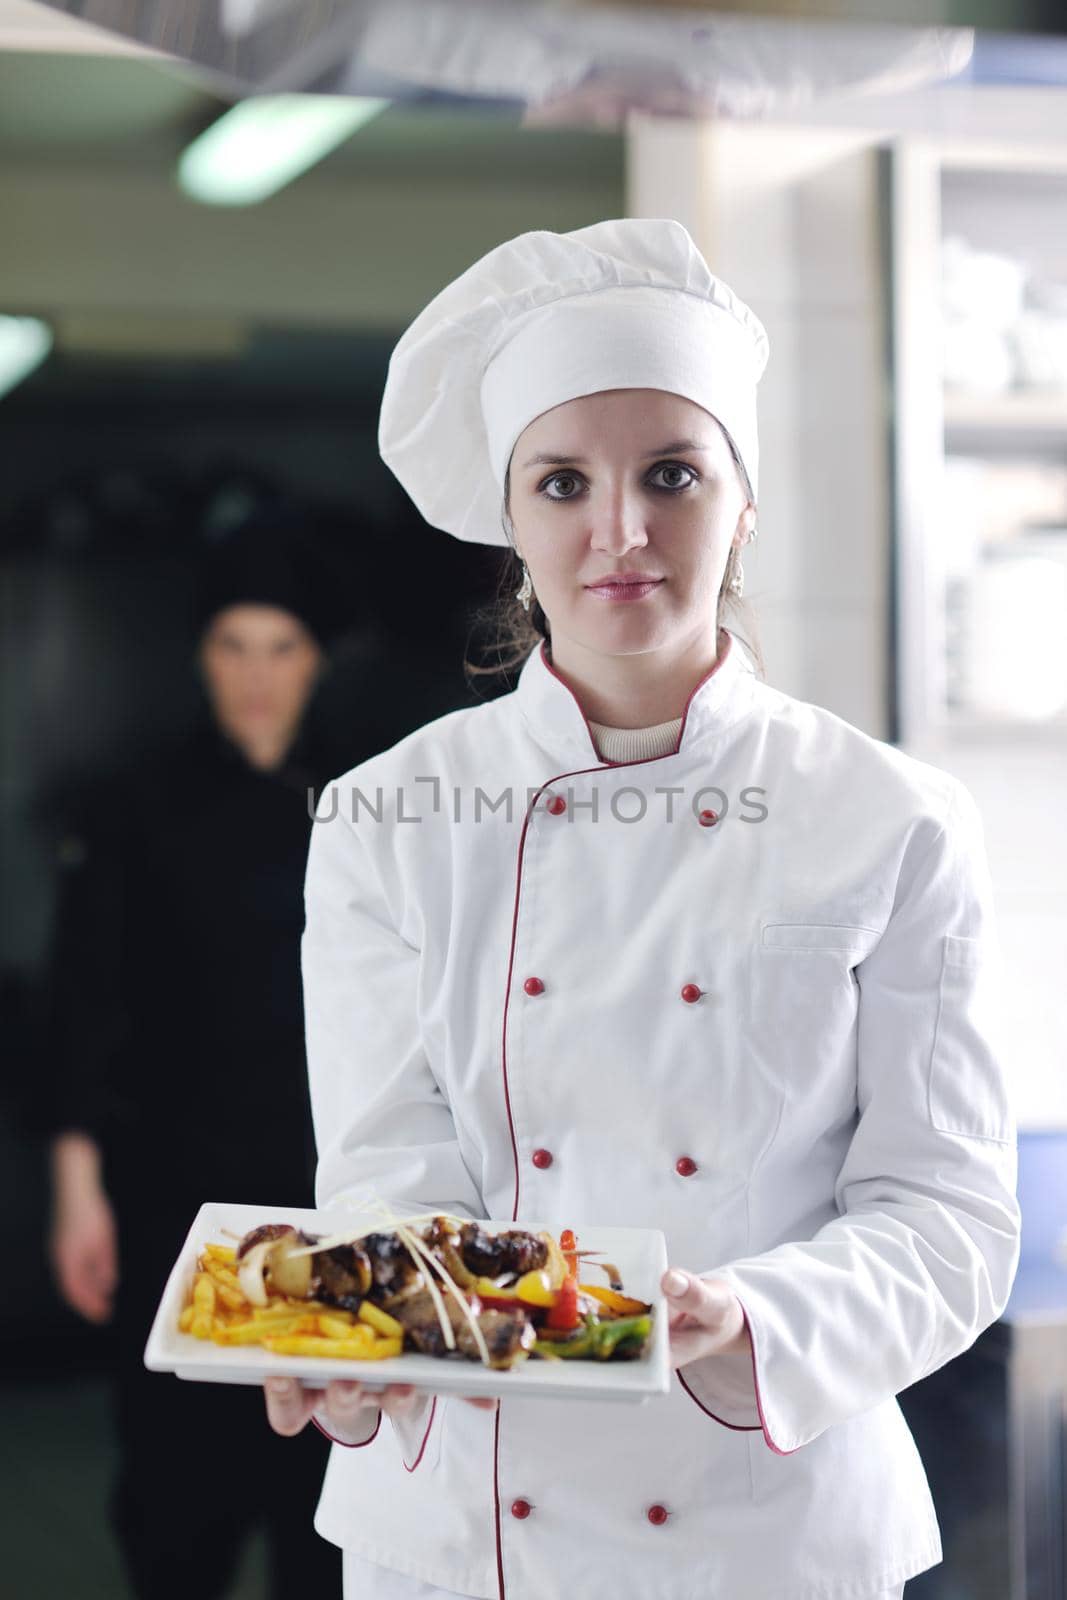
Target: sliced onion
{"x":556,"y":1265}
{"x":251,"y":1269}
{"x":268,"y":1231}
{"x":290,"y":1273}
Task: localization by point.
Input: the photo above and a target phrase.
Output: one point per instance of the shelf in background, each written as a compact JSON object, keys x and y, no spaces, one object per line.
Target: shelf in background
{"x":974,"y":728}
{"x":1021,"y":411}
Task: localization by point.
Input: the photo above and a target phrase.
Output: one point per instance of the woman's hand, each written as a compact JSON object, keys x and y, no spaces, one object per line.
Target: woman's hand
{"x":346,"y":1406}
{"x":706,"y":1318}
{"x":83,"y":1244}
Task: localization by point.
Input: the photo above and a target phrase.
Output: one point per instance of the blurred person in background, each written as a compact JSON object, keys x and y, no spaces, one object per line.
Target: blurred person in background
{"x":177,"y":1062}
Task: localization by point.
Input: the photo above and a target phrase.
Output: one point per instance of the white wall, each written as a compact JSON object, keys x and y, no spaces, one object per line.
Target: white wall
{"x":352,"y":253}
{"x":1019,"y":782}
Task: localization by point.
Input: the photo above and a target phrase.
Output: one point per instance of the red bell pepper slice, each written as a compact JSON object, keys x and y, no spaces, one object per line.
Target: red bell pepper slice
{"x":563,"y":1316}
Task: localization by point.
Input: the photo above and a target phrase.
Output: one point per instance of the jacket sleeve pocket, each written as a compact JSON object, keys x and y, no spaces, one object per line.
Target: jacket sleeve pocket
{"x":856,"y":940}
{"x":965,"y":1096}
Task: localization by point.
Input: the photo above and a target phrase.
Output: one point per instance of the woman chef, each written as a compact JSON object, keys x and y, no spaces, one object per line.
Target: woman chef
{"x":649,"y":943}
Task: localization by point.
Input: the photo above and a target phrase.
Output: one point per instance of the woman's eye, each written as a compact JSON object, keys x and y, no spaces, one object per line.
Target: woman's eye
{"x":558,"y":477}
{"x":677,"y":477}
{"x":672,"y":468}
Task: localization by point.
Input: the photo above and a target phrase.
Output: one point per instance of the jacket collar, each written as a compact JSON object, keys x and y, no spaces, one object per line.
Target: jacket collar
{"x":301,"y":769}
{"x":554,"y":717}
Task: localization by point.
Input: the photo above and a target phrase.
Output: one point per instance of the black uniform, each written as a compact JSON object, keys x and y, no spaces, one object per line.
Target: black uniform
{"x":179,"y":1046}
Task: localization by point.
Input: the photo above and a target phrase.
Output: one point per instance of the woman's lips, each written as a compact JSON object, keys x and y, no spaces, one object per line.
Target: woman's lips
{"x":624,"y":591}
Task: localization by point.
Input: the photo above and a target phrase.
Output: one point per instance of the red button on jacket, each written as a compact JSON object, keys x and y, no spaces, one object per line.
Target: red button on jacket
{"x":522,"y":1509}
{"x":542,"y":1158}
{"x":685,"y":1166}
{"x":691,"y":992}
{"x":707,"y":819}
{"x":658,"y":1515}
{"x":534,"y":986}
{"x":556,"y":805}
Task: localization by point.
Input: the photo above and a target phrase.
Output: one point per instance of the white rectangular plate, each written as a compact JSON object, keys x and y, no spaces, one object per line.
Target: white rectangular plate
{"x":639,"y":1253}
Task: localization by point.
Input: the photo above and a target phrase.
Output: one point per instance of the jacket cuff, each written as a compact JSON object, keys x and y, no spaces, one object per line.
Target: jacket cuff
{"x":728,"y":1388}
{"x":351,"y":1444}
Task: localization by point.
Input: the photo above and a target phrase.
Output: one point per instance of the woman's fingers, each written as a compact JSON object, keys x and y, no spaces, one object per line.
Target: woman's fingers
{"x":289,"y":1404}
{"x":707,"y":1305}
{"x":345,"y":1404}
{"x":702,"y":1299}
{"x":396,"y":1399}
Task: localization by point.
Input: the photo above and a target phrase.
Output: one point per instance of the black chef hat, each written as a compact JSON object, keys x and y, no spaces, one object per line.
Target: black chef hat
{"x":277,"y":555}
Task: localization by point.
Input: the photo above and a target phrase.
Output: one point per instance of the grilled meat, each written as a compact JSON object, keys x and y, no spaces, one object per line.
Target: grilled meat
{"x":443,"y":1240}
{"x":391,"y":1265}
{"x":341,"y":1276}
{"x":489,"y":1255}
{"x":507,"y":1334}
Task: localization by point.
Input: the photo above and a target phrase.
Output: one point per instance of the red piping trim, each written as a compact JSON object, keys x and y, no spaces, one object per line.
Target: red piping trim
{"x":738,"y":1427}
{"x":343,"y":1442}
{"x":422,"y":1448}
{"x":496,"y":1506}
{"x":747,"y":1427}
{"x":507,"y":1001}
{"x":425,"y":1440}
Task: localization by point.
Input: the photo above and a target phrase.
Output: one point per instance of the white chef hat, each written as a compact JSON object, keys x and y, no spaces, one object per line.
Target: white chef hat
{"x":544,"y":318}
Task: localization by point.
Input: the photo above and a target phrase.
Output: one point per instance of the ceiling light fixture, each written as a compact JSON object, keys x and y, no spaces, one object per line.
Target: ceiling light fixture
{"x":265,"y":142}
{"x":24,"y":344}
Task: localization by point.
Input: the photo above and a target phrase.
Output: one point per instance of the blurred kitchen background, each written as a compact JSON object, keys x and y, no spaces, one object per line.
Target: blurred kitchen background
{"x":184,"y":330}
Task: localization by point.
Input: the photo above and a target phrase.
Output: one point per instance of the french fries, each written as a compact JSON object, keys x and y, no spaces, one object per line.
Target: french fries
{"x":220,"y":1252}
{"x":350,"y":1349}
{"x":380,"y":1321}
{"x":216,"y":1309}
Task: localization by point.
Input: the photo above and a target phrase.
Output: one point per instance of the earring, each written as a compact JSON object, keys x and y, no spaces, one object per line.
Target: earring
{"x":523,"y":593}
{"x":736,"y":585}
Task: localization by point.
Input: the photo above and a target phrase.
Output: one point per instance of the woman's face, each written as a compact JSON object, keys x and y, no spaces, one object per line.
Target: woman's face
{"x":627,"y":481}
{"x":259,"y":664}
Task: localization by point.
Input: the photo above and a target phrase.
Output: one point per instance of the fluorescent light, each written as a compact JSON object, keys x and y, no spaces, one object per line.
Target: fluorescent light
{"x":24,"y":343}
{"x":266,"y":141}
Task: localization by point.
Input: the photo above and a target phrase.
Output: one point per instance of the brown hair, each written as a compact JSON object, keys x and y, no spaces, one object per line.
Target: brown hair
{"x":515,"y":633}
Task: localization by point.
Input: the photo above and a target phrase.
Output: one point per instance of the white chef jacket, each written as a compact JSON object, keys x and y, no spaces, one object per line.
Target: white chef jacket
{"x":746,"y":993}
{"x":365,"y":1580}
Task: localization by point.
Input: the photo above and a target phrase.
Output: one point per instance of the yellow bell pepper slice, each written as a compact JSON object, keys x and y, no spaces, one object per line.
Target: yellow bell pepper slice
{"x":486,"y":1289}
{"x":535,"y":1289}
{"x":621,"y":1304}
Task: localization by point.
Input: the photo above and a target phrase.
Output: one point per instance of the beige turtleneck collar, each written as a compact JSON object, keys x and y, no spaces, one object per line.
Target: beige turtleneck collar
{"x":635,"y":744}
